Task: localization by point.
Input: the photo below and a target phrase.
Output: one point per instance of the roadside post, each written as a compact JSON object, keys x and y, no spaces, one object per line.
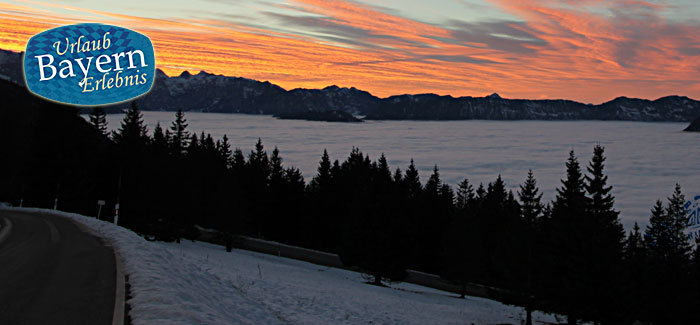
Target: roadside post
{"x":100,"y":203}
{"x":116,"y":213}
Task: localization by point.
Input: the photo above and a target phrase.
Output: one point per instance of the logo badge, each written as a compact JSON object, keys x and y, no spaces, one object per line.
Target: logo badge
{"x":89,"y":64}
{"x":693,"y":227}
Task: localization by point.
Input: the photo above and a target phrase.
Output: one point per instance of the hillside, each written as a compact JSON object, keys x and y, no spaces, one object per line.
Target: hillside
{"x":198,"y":283}
{"x":694,"y":126}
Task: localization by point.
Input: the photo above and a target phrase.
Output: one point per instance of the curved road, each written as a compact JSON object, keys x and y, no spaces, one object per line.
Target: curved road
{"x":51,"y":272}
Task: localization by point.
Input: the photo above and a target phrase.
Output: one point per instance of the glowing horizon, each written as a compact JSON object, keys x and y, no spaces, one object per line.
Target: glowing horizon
{"x":589,"y":50}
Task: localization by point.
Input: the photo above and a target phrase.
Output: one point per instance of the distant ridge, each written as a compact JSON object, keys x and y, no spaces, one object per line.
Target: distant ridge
{"x":206,"y":92}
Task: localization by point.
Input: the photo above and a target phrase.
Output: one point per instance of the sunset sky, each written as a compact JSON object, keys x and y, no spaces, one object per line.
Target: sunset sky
{"x":585,"y":50}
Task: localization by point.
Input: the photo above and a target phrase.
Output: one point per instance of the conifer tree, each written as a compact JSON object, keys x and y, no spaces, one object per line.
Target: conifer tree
{"x":225,"y":154}
{"x":605,"y":237}
{"x":461,"y":247}
{"x":530,"y":199}
{"x":159,"y":142}
{"x":322,"y":179}
{"x":259,"y":161}
{"x":276,"y":169}
{"x":570,"y":202}
{"x":194,"y":146}
{"x":432,"y":186}
{"x":238,"y":161}
{"x":447,"y":195}
{"x":567,"y":279}
{"x":132,"y":140}
{"x":294,"y":180}
{"x":496,"y":197}
{"x":398,"y":176}
{"x":677,"y":213}
{"x":383,"y":171}
{"x":664,"y":235}
{"x":634,"y":244}
{"x":635,"y":295}
{"x":465,"y":195}
{"x":179,"y":136}
{"x":132,"y":131}
{"x":98,"y":119}
{"x":335,"y":170}
{"x":601,"y":201}
{"x":480,"y":194}
{"x":412,"y":181}
{"x":531,"y":211}
{"x":668,"y":262}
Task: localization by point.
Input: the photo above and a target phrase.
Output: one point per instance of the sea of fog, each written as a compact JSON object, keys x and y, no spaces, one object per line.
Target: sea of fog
{"x":645,"y":160}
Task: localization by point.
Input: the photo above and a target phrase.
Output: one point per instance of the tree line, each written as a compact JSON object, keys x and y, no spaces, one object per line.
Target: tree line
{"x":569,"y":256}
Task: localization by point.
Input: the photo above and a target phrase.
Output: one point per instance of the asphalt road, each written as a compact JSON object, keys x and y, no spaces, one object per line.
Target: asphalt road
{"x":51,"y":272}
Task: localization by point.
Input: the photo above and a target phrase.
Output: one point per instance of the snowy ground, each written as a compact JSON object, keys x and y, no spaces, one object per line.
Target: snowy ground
{"x":199,"y":283}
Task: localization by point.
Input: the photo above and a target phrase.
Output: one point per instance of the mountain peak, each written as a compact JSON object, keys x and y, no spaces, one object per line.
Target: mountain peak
{"x":185,"y":74}
{"x":161,"y":74}
{"x":494,"y":96}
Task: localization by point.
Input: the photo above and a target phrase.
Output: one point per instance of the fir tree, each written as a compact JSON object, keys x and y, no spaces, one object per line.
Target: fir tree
{"x":601,"y":200}
{"x":530,"y":199}
{"x":238,"y":161}
{"x":412,"y":181}
{"x":323,"y":174}
{"x":605,"y":238}
{"x":634,"y":244}
{"x":531,"y":210}
{"x":383,"y":171}
{"x":225,"y":154}
{"x":677,"y":214}
{"x":465,"y":195}
{"x":567,"y":281}
{"x":398,"y":176}
{"x":179,"y":136}
{"x":335,"y":170}
{"x":132,"y":131}
{"x":570,"y":201}
{"x":480,"y":194}
{"x":432,"y":186}
{"x":98,"y":119}
{"x":194,"y":146}
{"x":447,"y":195}
{"x":634,"y":295}
{"x":668,"y":262}
{"x":259,"y":161}
{"x":496,"y":197}
{"x":159,"y":143}
{"x":664,"y":235}
{"x":276,"y":169}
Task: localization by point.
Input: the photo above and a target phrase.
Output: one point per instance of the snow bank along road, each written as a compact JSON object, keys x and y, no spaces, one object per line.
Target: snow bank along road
{"x":199,"y":283}
{"x":52,"y":272}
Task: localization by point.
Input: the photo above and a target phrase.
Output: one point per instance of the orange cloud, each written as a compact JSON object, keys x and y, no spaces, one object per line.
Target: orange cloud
{"x":561,"y":51}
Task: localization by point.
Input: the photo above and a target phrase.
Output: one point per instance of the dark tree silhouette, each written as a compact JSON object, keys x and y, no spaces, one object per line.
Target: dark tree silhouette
{"x":98,"y":119}
{"x":179,"y":136}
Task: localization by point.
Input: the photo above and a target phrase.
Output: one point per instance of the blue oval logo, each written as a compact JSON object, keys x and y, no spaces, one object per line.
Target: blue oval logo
{"x":89,"y":64}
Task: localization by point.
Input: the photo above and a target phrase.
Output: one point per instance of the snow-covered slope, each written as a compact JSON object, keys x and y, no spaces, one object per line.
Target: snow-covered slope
{"x":199,"y":283}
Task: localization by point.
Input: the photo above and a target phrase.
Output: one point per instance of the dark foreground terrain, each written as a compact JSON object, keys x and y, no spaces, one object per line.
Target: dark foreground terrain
{"x":51,"y":272}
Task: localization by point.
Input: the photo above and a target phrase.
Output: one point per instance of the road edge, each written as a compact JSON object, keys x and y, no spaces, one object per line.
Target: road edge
{"x":118,"y":316}
{"x":5,"y":230}
{"x":120,"y":290}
